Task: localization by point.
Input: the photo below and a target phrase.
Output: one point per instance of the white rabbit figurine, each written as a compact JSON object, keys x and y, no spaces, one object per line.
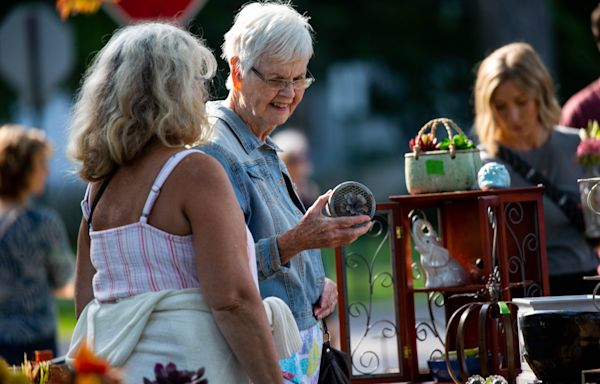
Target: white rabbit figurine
{"x":440,"y":269}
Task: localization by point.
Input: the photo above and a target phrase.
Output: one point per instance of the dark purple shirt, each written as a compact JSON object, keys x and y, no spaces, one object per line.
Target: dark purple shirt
{"x":582,"y":107}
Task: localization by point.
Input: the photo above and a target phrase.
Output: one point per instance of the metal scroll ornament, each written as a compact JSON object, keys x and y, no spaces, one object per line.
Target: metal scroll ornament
{"x":491,"y":309}
{"x":590,"y":199}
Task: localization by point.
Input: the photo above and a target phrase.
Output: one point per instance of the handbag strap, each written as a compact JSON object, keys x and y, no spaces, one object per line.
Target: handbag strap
{"x":432,"y":125}
{"x":568,"y":205}
{"x":326,"y":334}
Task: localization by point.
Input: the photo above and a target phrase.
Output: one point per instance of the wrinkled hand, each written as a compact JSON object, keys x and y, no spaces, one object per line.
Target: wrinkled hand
{"x":327,"y":301}
{"x":316,"y":230}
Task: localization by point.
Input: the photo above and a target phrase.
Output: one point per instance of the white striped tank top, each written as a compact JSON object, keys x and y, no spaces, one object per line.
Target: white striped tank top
{"x":136,"y":258}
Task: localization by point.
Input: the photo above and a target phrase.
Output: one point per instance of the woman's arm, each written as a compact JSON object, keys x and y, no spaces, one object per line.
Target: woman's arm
{"x":219,"y":234}
{"x":84,"y":270}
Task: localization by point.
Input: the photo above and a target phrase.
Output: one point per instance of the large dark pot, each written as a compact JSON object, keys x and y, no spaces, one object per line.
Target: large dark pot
{"x":560,"y":344}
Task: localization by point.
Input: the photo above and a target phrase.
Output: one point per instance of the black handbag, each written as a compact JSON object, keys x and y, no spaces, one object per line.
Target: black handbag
{"x":335,"y":364}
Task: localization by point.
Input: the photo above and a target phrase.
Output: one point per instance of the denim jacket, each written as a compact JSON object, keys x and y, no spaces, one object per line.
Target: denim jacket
{"x":270,"y":209}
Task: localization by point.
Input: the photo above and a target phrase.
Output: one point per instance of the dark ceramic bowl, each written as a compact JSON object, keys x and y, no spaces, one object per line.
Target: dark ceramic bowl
{"x":560,"y":344}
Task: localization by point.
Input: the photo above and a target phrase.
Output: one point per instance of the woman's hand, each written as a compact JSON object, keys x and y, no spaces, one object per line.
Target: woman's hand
{"x":316,"y":230}
{"x":327,"y":301}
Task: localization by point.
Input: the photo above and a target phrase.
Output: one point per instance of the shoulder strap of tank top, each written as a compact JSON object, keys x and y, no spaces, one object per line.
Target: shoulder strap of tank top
{"x":164,"y":173}
{"x":99,"y":195}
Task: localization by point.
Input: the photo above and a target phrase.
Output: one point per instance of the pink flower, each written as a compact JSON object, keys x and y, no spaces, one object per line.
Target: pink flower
{"x":588,"y":152}
{"x":427,"y":142}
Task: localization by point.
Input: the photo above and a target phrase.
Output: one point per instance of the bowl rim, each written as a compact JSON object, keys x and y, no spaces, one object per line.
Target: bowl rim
{"x":560,"y":312}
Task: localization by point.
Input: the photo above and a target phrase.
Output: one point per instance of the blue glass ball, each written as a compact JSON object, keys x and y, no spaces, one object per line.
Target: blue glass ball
{"x":493,"y":175}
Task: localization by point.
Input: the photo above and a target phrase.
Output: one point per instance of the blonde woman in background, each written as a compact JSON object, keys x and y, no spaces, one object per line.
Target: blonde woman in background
{"x":516,"y":117}
{"x":162,"y":265}
{"x":36,"y":260}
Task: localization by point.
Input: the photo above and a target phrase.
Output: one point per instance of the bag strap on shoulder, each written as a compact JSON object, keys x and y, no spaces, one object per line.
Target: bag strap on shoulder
{"x":568,"y":205}
{"x":99,"y":195}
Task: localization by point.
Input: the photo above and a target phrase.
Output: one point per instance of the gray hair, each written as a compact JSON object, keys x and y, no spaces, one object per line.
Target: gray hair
{"x":148,"y":82}
{"x":269,"y":29}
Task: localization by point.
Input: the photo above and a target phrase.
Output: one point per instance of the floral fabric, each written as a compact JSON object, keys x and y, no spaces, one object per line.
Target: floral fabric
{"x":303,"y":367}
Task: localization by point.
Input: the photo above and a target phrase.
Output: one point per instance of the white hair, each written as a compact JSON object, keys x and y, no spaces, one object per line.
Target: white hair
{"x":269,"y":29}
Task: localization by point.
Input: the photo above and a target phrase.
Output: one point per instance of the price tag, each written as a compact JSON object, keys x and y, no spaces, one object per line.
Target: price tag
{"x":504,"y":310}
{"x":434,"y":167}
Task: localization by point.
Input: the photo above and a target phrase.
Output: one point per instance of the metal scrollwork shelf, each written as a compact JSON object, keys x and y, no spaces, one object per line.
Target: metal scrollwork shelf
{"x":390,"y":325}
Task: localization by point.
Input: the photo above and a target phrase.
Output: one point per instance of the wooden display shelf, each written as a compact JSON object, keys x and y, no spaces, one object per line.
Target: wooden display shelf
{"x":463,"y":221}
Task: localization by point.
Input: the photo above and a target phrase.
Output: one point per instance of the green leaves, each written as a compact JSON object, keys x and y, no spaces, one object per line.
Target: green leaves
{"x":459,"y":141}
{"x":428,"y":142}
{"x":591,"y":132}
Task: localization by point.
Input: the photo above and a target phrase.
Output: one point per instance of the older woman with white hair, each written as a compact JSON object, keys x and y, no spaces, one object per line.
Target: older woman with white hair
{"x":268,"y":49}
{"x":162,"y":272}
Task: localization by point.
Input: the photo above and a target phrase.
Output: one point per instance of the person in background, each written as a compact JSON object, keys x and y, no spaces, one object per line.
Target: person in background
{"x":163,"y":272}
{"x":36,"y":260}
{"x":296,"y":157}
{"x":268,"y":49}
{"x":516,"y":117}
{"x":584,"y":106}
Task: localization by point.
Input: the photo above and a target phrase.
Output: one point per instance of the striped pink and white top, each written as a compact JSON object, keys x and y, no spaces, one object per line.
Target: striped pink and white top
{"x":138,"y":257}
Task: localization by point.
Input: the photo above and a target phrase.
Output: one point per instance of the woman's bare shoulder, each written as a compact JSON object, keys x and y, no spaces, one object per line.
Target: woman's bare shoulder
{"x":200,"y":170}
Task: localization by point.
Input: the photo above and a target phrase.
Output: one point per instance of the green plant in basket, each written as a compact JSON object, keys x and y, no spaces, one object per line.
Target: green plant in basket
{"x":459,"y":141}
{"x":447,"y":165}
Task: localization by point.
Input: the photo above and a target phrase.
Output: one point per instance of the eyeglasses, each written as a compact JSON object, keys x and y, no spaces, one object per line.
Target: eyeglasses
{"x":280,"y":84}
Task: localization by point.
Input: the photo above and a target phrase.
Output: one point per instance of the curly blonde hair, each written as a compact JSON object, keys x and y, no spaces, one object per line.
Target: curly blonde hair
{"x":19,"y":147}
{"x":519,"y":63}
{"x":149,"y":82}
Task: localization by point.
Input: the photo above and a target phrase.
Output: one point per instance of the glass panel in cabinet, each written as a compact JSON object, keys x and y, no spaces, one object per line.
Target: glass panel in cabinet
{"x":372,"y":311}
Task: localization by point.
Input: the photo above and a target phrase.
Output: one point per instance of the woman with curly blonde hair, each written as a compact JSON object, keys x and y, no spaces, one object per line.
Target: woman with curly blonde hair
{"x":162,"y":264}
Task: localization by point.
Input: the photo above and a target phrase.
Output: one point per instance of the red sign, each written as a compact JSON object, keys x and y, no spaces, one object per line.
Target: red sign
{"x":131,"y":11}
